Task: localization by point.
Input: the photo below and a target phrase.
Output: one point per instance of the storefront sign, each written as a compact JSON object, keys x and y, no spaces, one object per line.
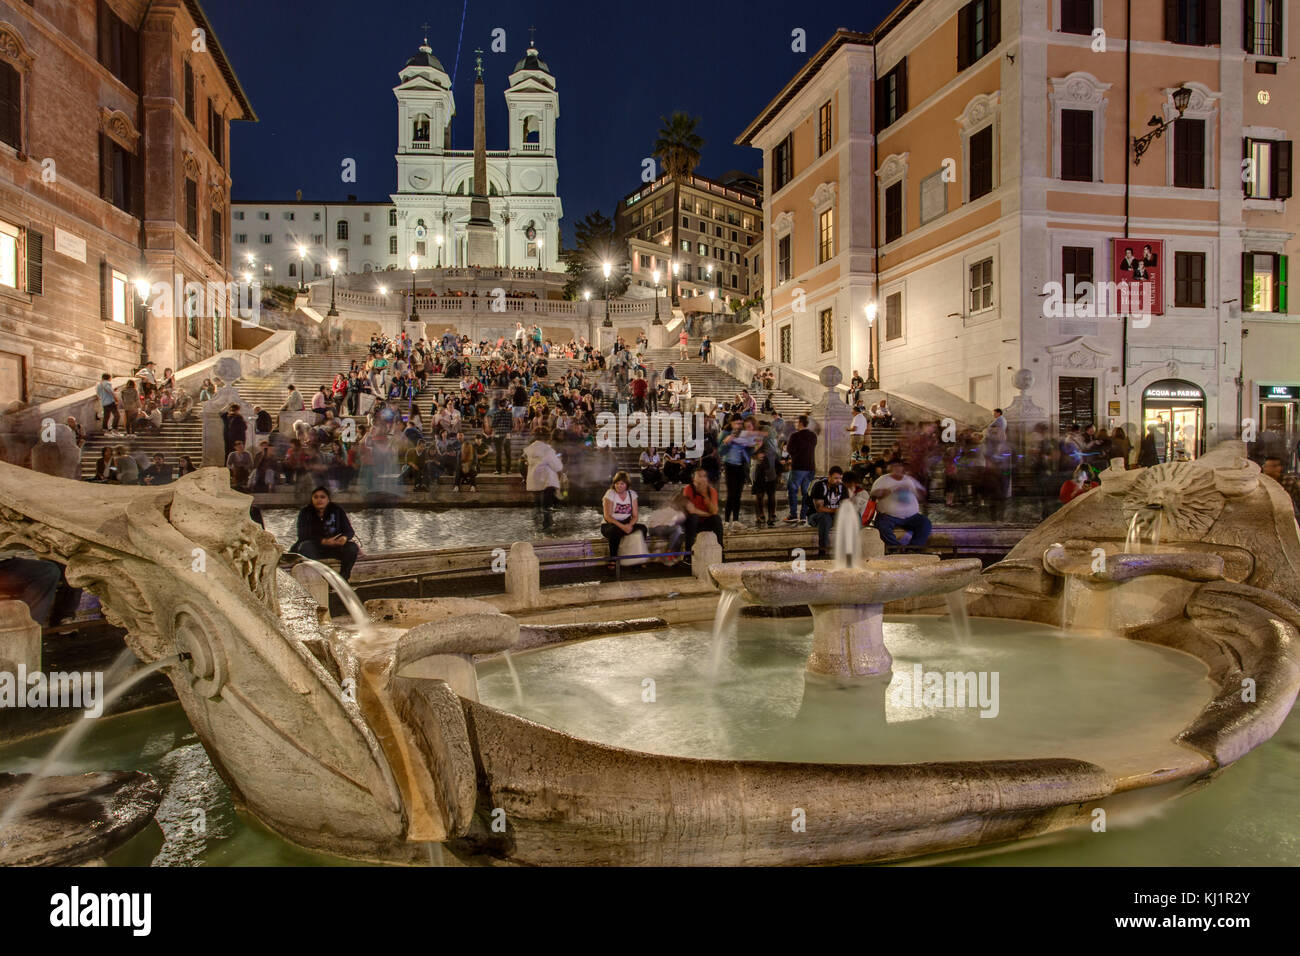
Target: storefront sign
{"x":1279,"y":393}
{"x":1162,"y":391}
{"x":1112,"y":409}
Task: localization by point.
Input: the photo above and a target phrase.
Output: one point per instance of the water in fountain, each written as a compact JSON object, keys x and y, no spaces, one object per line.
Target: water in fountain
{"x":845,"y":535}
{"x":514,"y":676}
{"x":1133,"y":541}
{"x":723,"y":621}
{"x":957,"y":615}
{"x":73,"y":735}
{"x":1157,"y":526}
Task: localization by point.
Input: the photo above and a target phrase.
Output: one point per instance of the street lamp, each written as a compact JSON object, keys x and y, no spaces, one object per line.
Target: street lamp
{"x":438,"y":242}
{"x":674,"y":291}
{"x":414,"y":261}
{"x":872,"y":383}
{"x":383,"y":290}
{"x":334,"y":267}
{"x":655,"y":276}
{"x":606,"y":268}
{"x":248,"y":281}
{"x":541,"y":243}
{"x":1181,"y":97}
{"x":302,"y":268}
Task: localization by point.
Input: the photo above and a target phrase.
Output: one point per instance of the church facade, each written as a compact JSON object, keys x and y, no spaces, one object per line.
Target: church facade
{"x":436,"y":184}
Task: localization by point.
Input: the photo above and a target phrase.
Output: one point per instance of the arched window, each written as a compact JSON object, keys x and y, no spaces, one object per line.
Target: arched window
{"x":11,"y":109}
{"x":420,"y":128}
{"x":392,"y":217}
{"x":532,"y":129}
{"x":341,"y":230}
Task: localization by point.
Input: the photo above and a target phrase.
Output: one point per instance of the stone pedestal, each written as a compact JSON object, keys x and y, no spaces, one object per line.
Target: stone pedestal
{"x":830,"y":418}
{"x":60,"y":457}
{"x":707,"y":551}
{"x":605,"y":335}
{"x":523,"y":582}
{"x":849,"y":641}
{"x":661,"y":338}
{"x":20,"y":639}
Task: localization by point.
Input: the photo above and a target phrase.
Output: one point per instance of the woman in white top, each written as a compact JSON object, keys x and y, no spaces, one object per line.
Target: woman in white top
{"x":620,"y":512}
{"x":544,"y":467}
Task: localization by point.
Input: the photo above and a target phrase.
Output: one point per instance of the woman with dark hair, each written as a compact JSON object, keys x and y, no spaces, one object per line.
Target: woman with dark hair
{"x":324,"y":531}
{"x":104,"y":466}
{"x":186,"y":466}
{"x":620,"y":511}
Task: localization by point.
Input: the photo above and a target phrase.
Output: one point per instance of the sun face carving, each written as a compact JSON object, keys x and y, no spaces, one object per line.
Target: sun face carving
{"x":1181,"y":493}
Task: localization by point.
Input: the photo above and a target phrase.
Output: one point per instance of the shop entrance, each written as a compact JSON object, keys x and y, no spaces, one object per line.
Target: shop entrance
{"x":1279,"y":416}
{"x":1177,"y":409}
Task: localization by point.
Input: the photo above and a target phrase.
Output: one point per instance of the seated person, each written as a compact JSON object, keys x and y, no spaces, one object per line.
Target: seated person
{"x":668,"y":523}
{"x":898,"y":496}
{"x":324,"y":531}
{"x":827,"y":494}
{"x":159,"y":473}
{"x":1079,"y":482}
{"x":701,"y":497}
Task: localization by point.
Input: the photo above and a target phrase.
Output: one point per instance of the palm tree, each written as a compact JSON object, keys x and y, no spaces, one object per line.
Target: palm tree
{"x":678,"y":151}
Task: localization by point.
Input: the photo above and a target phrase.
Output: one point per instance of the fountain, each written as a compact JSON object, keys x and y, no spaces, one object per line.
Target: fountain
{"x":378,"y":746}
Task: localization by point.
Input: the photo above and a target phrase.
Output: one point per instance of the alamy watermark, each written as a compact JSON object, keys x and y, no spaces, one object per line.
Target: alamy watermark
{"x":1100,"y":300}
{"x":932,"y":690}
{"x":655,"y":430}
{"x":84,"y":692}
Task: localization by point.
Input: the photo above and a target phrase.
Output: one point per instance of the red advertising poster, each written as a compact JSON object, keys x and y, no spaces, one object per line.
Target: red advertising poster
{"x":1137,"y":270}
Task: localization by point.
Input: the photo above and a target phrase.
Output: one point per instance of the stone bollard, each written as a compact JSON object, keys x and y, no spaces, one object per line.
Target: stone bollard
{"x":869,"y":543}
{"x":707,"y":551}
{"x":20,"y":639}
{"x":316,"y":586}
{"x":523,"y":575}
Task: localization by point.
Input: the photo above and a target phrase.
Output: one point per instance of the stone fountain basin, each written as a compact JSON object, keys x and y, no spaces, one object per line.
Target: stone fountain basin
{"x":1076,"y":559}
{"x":880,"y":580}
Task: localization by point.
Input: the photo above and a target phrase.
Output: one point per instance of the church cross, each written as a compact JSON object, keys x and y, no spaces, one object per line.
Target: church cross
{"x":478,"y":62}
{"x":425,"y":28}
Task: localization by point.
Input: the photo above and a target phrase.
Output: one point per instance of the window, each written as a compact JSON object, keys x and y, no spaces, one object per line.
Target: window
{"x":293,"y":269}
{"x":316,"y":218}
{"x":1192,"y":22}
{"x":119,"y":47}
{"x":717,"y":231}
{"x":894,"y":211}
{"x":117,"y":175}
{"x":1263,"y":34}
{"x":826,"y":330}
{"x":392,"y":217}
{"x":825,"y":235}
{"x":392,"y":245}
{"x":1076,"y":145}
{"x":11,"y":105}
{"x":1263,"y":282}
{"x":981,"y":163}
{"x":893,"y":316}
{"x":9,"y":237}
{"x":288,"y":217}
{"x":216,"y":133}
{"x":735,"y":281}
{"x":420,"y":128}
{"x":266,"y":239}
{"x":783,"y":259}
{"x":1189,"y":280}
{"x":686,"y":222}
{"x":824,"y":128}
{"x":719,"y":254}
{"x":1189,"y":153}
{"x":979,"y":30}
{"x":241,"y":238}
{"x":891,"y":95}
{"x":1076,"y":16}
{"x":365,"y":240}
{"x":783,"y":162}
{"x":341,"y":229}
{"x":192,"y":208}
{"x":659,"y":226}
{"x":1269,"y":171}
{"x":316,"y":270}
{"x":786,"y":349}
{"x":1076,"y":269}
{"x":702,"y":249}
{"x":644,"y":261}
{"x":238,"y":214}
{"x":218,"y":237}
{"x":981,"y":285}
{"x":733,"y":235}
{"x":118,"y":304}
{"x":189,"y":93}
{"x":317,"y":239}
{"x":421,"y":250}
{"x":264,"y":216}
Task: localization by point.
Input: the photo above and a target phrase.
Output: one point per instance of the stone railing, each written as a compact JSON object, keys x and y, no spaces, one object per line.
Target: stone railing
{"x":734,"y":362}
{"x":83,"y":405}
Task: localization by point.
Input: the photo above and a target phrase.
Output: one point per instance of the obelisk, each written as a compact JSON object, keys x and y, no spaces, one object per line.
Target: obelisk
{"x":480,"y":231}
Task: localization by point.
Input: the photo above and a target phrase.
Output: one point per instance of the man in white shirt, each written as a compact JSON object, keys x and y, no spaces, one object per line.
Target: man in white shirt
{"x":898,"y":496}
{"x":858,"y":429}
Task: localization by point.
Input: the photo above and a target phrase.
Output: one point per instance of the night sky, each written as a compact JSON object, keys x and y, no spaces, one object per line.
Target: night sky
{"x":320,"y":74}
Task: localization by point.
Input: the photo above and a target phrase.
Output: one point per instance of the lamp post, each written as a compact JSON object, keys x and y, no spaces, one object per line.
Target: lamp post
{"x":606,"y":268}
{"x":302,"y":268}
{"x":414,"y":261}
{"x":676,"y":268}
{"x":655,"y":276}
{"x":541,"y":245}
{"x":586,"y":297}
{"x":437,"y":241}
{"x":1182,"y":97}
{"x":248,"y":282}
{"x":334,"y":268}
{"x":872,"y":383}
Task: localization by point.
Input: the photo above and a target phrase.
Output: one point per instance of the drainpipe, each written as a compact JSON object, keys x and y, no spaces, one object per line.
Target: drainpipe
{"x":875,"y":225}
{"x":1128,"y":171}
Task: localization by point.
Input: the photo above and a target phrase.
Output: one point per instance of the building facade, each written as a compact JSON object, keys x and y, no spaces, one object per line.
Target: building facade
{"x":719,"y":222}
{"x":1008,"y":188}
{"x":114,"y":177}
{"x":435,"y":182}
{"x":284,"y":242}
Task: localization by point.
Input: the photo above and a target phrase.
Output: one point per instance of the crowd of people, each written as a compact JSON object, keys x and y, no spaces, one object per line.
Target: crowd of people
{"x":141,"y":409}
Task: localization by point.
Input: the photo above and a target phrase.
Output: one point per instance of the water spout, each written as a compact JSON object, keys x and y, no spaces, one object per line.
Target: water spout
{"x":723,"y":620}
{"x":514,"y":676}
{"x":845,"y":532}
{"x":1133,"y":541}
{"x":957,"y":616}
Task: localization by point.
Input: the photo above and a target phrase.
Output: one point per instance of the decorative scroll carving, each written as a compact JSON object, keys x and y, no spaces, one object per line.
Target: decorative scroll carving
{"x":119,"y":128}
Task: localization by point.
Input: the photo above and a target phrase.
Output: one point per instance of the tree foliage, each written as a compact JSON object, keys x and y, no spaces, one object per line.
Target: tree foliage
{"x":593,"y":245}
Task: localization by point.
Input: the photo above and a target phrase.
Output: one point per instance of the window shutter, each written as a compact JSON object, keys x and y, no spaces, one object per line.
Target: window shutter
{"x":1213,"y":14}
{"x":35,"y":262}
{"x":1246,"y":187}
{"x":1282,"y":169}
{"x":1171,"y":21}
{"x":1247,"y":281}
{"x":1279,"y":24}
{"x":105,"y":291}
{"x":105,"y":169}
{"x":11,"y":106}
{"x":105,"y":32}
{"x":963,"y":37}
{"x":130,"y":57}
{"x":1248,"y":25}
{"x":135,"y":177}
{"x":1281,"y":284}
{"x":993,"y":18}
{"x":880,"y":103}
{"x":902,"y":86}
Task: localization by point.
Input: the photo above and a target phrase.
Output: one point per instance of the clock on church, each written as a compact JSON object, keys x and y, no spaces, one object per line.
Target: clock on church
{"x":420,"y":179}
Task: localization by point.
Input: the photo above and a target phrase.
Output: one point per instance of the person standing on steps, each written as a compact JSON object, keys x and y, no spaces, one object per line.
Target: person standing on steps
{"x":543,"y":479}
{"x":801,"y":446}
{"x":683,"y":338}
{"x":706,"y":349}
{"x":108,"y":404}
